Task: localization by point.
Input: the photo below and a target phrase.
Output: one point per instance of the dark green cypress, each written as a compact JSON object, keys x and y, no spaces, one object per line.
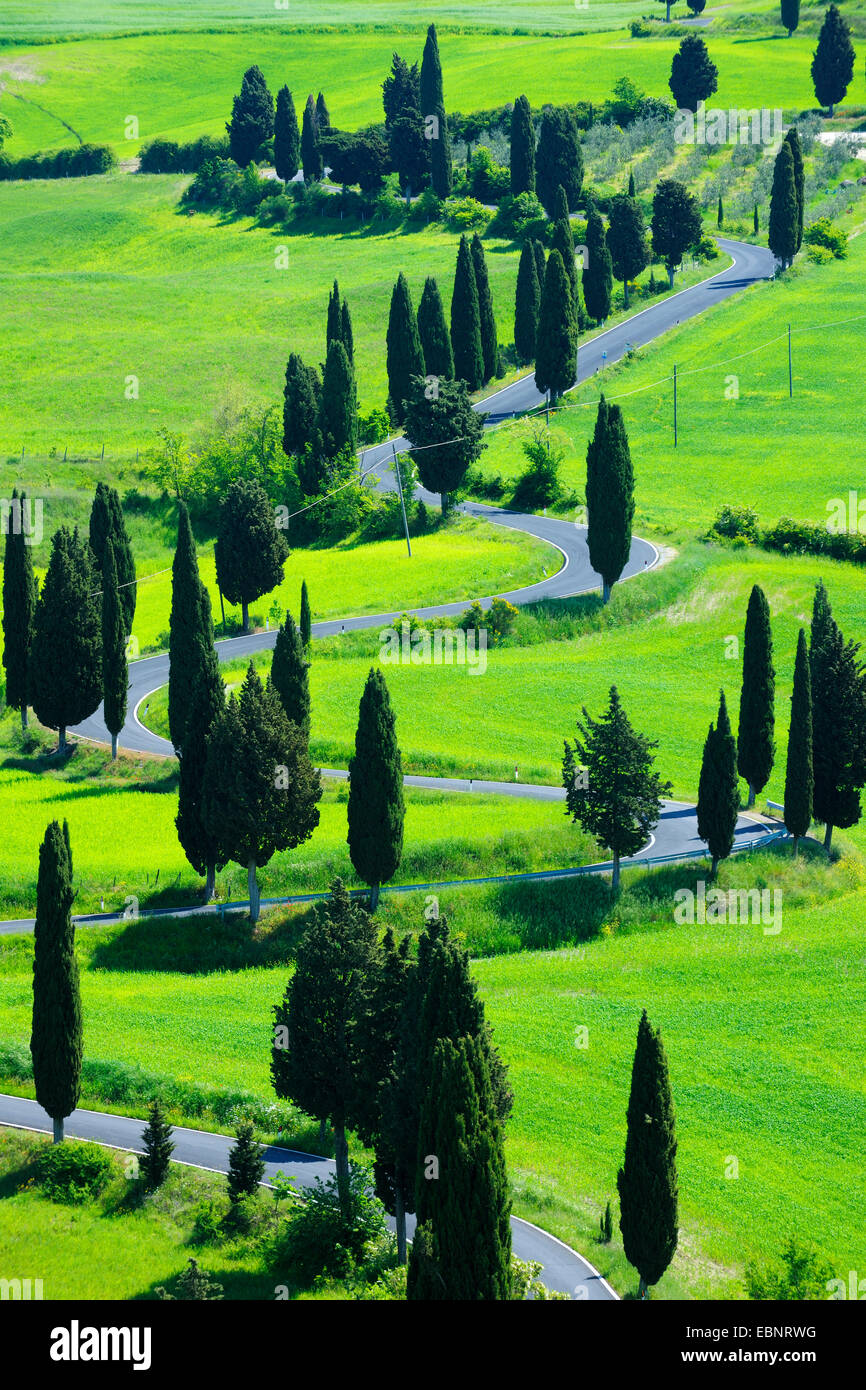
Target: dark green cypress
{"x":720,"y":214}
{"x":631,"y":190}
{"x":647,"y":1180}
{"x":556,"y":346}
{"x":405,"y":357}
{"x":306,"y":621}
{"x":718,"y":793}
{"x":609,"y":496}
{"x":115,"y":676}
{"x":190,"y":639}
{"x":558,"y":159}
{"x":462,"y":1245}
{"x":287,"y":138}
{"x":158,"y":1148}
{"x":376,"y":807}
{"x":563,"y":242}
{"x":799,"y":779}
{"x":252,"y":121}
{"x":540,"y":255}
{"x":755,"y":225}
{"x":250,"y":549}
{"x":347,"y":337}
{"x":790,"y":15}
{"x":430,"y":88}
{"x":301,"y":405}
{"x":66,"y":655}
{"x":755,"y":745}
{"x":323,"y":115}
{"x":19,"y":605}
{"x":311,"y":154}
{"x":124,"y":560}
{"x":433,"y":333}
{"x":338,"y":414}
{"x":246,"y":1164}
{"x":833,"y":63}
{"x":466,"y":321}
{"x":522,"y":148}
{"x":784,"y":209}
{"x":793,"y":138}
{"x":289,"y":674}
{"x":56,"y":1043}
{"x":838,"y":686}
{"x":527,"y":303}
{"x":334,"y":330}
{"x":487,"y":318}
{"x":205,"y":707}
{"x":598,"y":275}
{"x":99,"y":528}
{"x":441,"y":164}
{"x":626,"y":240}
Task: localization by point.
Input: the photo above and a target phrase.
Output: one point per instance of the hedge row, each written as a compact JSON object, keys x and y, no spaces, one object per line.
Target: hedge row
{"x":60,"y":164}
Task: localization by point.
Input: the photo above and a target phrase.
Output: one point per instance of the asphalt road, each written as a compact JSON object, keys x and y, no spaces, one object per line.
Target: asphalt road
{"x":563,"y":1269}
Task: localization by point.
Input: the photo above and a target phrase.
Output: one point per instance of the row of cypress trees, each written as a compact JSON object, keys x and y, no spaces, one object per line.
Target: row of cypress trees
{"x":320,"y":414}
{"x":255,"y":121}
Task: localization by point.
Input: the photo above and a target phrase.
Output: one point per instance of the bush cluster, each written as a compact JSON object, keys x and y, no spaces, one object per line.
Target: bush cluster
{"x":73,"y":1172}
{"x":740,"y":524}
{"x":168,"y":157}
{"x":60,"y":164}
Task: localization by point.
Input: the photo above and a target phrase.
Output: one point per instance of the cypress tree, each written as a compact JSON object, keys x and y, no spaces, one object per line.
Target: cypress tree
{"x":609,"y":496}
{"x":115,"y":676}
{"x":206,"y":704}
{"x":462,"y":1246}
{"x":694,"y":76}
{"x":527,"y":303}
{"x":124,"y":560}
{"x":405,"y":357}
{"x":250,"y":550}
{"x":334,"y":330}
{"x":190,"y":641}
{"x":158,"y":1148}
{"x":784,"y":210}
{"x":563,"y":242}
{"x":540,"y":262}
{"x":466,"y":321}
{"x":430,"y":84}
{"x":838,"y":720}
{"x":558,"y":159}
{"x":338,"y":415}
{"x":401,"y":90}
{"x":799,"y":780}
{"x":252,"y":121}
{"x":556,"y":346}
{"x":19,"y":606}
{"x":376,"y":808}
{"x":790,"y":15}
{"x":99,"y":528}
{"x":289,"y":674}
{"x":598,"y":275}
{"x":441,"y":166}
{"x":755,"y":745}
{"x":720,"y":215}
{"x":287,"y":138}
{"x":66,"y":654}
{"x":432,"y":103}
{"x":718,"y":794}
{"x":311,"y":154}
{"x":755,"y":226}
{"x":833,"y":62}
{"x":347,"y":337}
{"x":246,"y":1164}
{"x":522,"y":148}
{"x":56,"y":1044}
{"x":487,"y":318}
{"x":631,"y":188}
{"x":793,"y":139}
{"x":647,"y":1180}
{"x":301,"y":405}
{"x":306,"y":621}
{"x":433,"y":333}
{"x":626,"y":240}
{"x":323,"y":115}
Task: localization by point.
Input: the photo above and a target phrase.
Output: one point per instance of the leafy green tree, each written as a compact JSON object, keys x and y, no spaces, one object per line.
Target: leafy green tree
{"x":598,"y":274}
{"x":433,"y":333}
{"x":558,"y":159}
{"x":19,"y":605}
{"x":527,"y":303}
{"x":487,"y":318}
{"x":466,"y":321}
{"x":676,"y":223}
{"x":401,"y":90}
{"x":694,"y":76}
{"x":447,"y":435}
{"x":311,"y":154}
{"x":405,"y":355}
{"x":290,"y":675}
{"x":756,"y":747}
{"x":158,"y":1148}
{"x":556,"y":345}
{"x":793,"y":138}
{"x":376,"y":807}
{"x":260,"y":790}
{"x":287,"y":137}
{"x":799,"y":779}
{"x":784,"y":209}
{"x":790,"y":15}
{"x":718,"y":793}
{"x":360,"y":158}
{"x":609,"y":496}
{"x":252,"y":121}
{"x":323,"y":115}
{"x":802,"y":1275}
{"x":522,"y":164}
{"x":697,"y":7}
{"x":190,"y":642}
{"x":250,"y":549}
{"x":318,"y":1057}
{"x":301,"y":405}
{"x":115,"y":674}
{"x":626,"y":239}
{"x":610,"y":787}
{"x":56,"y":1044}
{"x":338,"y":414}
{"x":647,"y":1180}
{"x":306,"y":621}
{"x":432,"y":103}
{"x":66,"y":654}
{"x":207,"y":703}
{"x":246,"y":1164}
{"x":833,"y":61}
{"x":838,"y":685}
{"x":462,"y":1245}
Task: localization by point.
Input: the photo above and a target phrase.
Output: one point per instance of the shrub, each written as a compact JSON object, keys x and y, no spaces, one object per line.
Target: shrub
{"x":639,"y":30}
{"x":706,"y":249}
{"x":804,"y":538}
{"x":60,"y":164}
{"x":375,"y":427}
{"x":497,"y":621}
{"x":318,"y":1240}
{"x":193,"y":1285}
{"x":819,"y":255}
{"x":735,"y":521}
{"x":159,"y":157}
{"x":539,"y":485}
{"x":802,"y":1275}
{"x":519,"y":217}
{"x":427,"y":208}
{"x":488,"y":181}
{"x":73,"y":1171}
{"x":822,"y":233}
{"x":465,"y":214}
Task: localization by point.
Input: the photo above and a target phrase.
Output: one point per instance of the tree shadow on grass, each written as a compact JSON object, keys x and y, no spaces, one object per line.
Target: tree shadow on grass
{"x":200,"y":945}
{"x":556,"y":912}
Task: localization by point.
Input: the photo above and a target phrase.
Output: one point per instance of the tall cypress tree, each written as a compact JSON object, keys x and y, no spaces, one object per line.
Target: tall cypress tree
{"x":558,"y":159}
{"x":540,"y":255}
{"x":347,"y":337}
{"x":338,"y":413}
{"x":527,"y":302}
{"x":784,"y":209}
{"x":793,"y":138}
{"x":301,"y":405}
{"x":376,"y":807}
{"x":522,"y":148}
{"x":405,"y":358}
{"x":556,"y":345}
{"x":432,"y":103}
{"x":287,"y":137}
{"x":563,"y":242}
{"x":334,"y":329}
{"x":56,"y":1044}
{"x":647,"y":1180}
{"x":441,"y":164}
{"x":838,"y":721}
{"x":466,"y":321}
{"x":252,"y":121}
{"x":206,"y":705}
{"x":190,"y":641}
{"x":720,"y":214}
{"x":462,"y":1246}
{"x":833,"y":62}
{"x":107,"y":523}
{"x":433,"y":333}
{"x":66,"y":655}
{"x":19,"y":606}
{"x":115,"y":676}
{"x":755,"y":745}
{"x":598,"y":275}
{"x":306,"y":621}
{"x":430,"y":84}
{"x":487,"y":318}
{"x":311,"y":154}
{"x":718,"y":794}
{"x":250,"y":550}
{"x":290,"y":675}
{"x":158,"y":1148}
{"x":631,"y":188}
{"x":323,"y":115}
{"x":609,"y":496}
{"x":799,"y":780}
{"x":626,"y":240}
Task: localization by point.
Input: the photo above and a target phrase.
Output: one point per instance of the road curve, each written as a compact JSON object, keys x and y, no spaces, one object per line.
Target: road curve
{"x":563,"y":1269}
